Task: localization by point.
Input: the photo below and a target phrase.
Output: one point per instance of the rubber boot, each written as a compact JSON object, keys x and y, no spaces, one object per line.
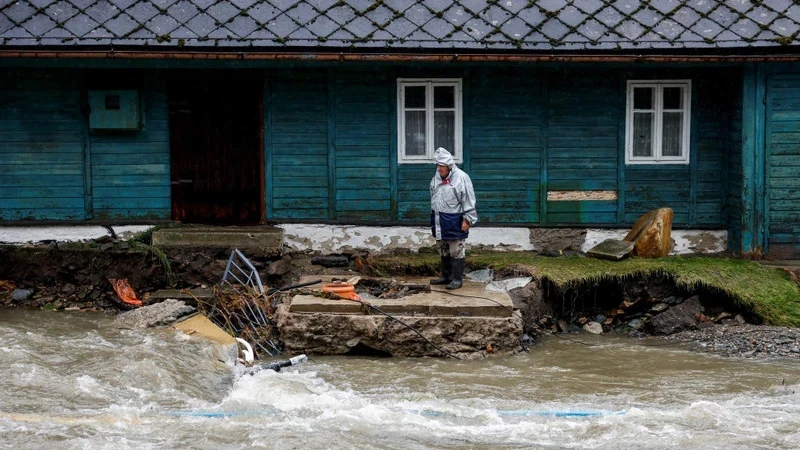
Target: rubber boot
{"x":458,"y":271}
{"x":445,"y":278}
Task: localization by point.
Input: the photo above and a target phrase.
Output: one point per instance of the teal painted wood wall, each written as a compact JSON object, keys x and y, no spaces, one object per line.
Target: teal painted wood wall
{"x":297,"y":146}
{"x":583,"y":144}
{"x":525,"y":132}
{"x":330,"y":148}
{"x":733,"y":161}
{"x":130,"y":170}
{"x":783,"y":165}
{"x":53,"y":168}
{"x":42,"y":145}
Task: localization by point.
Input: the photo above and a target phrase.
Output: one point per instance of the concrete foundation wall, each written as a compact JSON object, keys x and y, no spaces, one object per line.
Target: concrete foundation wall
{"x":335,"y":239}
{"x":327,"y":239}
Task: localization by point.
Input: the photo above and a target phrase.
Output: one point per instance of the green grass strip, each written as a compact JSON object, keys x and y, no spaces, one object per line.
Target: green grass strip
{"x":767,"y":291}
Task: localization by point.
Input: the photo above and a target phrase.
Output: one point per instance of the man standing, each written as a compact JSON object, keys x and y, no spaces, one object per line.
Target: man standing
{"x":452,"y":214}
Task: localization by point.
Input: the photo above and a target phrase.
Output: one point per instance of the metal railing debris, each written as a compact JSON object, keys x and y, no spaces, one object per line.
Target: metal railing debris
{"x":247,"y":277}
{"x":244,"y":302}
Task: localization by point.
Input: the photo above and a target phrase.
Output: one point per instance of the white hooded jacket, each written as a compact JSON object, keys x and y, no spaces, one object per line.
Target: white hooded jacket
{"x":451,"y":200}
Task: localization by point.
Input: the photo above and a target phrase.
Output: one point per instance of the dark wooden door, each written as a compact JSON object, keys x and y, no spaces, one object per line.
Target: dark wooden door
{"x":216,"y":148}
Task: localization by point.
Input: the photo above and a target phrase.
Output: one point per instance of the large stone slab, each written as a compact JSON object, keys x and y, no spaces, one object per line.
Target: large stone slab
{"x":263,"y":239}
{"x":472,"y":300}
{"x":651,"y":234}
{"x":613,"y":249}
{"x":336,"y":334}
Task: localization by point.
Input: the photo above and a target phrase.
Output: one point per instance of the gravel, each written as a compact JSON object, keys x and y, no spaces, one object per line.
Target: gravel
{"x":743,"y":341}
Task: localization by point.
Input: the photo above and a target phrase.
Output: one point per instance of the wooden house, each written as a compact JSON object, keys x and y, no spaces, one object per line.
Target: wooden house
{"x":565,"y":113}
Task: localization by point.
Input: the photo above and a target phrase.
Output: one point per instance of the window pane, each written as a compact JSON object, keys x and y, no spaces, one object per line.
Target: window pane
{"x":673,"y":98}
{"x":444,"y":97}
{"x":643,"y":134}
{"x":673,"y":134}
{"x":415,"y":96}
{"x":444,"y":131}
{"x":415,"y":133}
{"x":643,"y":98}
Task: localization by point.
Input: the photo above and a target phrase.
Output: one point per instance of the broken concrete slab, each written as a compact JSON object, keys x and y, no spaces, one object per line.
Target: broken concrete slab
{"x":225,"y":346}
{"x":260,"y":240}
{"x":613,"y":249}
{"x":157,"y":314}
{"x":439,"y":302}
{"x":335,"y":334}
{"x":201,"y":326}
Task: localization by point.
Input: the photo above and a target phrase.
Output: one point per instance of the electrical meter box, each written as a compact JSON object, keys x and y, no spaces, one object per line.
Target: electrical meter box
{"x":114,"y":110}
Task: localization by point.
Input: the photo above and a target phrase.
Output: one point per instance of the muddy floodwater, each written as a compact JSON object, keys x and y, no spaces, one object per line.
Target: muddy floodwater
{"x":74,"y":380}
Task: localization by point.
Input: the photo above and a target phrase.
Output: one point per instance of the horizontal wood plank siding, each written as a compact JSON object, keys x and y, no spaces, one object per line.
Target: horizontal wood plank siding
{"x":583,"y":146}
{"x":651,"y":186}
{"x":733,"y":197}
{"x":41,"y":146}
{"x":505,"y":144}
{"x":783,"y":165}
{"x":299,"y":144}
{"x":131,"y":169}
{"x":363,"y":180}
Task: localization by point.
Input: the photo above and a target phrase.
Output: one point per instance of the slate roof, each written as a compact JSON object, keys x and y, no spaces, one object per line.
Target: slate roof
{"x":453,"y":25}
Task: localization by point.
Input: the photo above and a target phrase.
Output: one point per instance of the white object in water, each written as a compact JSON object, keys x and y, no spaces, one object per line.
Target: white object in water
{"x":247,"y":352}
{"x":298,"y":359}
{"x":507,"y":285}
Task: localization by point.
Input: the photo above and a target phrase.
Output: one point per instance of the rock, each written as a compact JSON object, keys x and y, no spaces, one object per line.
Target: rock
{"x":611,"y":249}
{"x":331,"y":261}
{"x":677,"y":318}
{"x":659,"y":308}
{"x":163,"y":313}
{"x":739,"y":319}
{"x":69,"y":287}
{"x":107,"y":246}
{"x":21,"y":295}
{"x":635,"y":323}
{"x":671,"y":300}
{"x":599,"y":318}
{"x":593,"y":327}
{"x":557,"y":248}
{"x":280,"y":267}
{"x":562,"y":326}
{"x":719,"y":317}
{"x":651,"y":234}
{"x":104,"y":239}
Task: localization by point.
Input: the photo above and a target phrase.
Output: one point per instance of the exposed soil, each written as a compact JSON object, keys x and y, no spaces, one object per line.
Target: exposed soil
{"x":76,"y":277}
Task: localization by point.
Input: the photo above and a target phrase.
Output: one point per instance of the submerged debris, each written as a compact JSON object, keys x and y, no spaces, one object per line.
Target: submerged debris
{"x":245,"y":314}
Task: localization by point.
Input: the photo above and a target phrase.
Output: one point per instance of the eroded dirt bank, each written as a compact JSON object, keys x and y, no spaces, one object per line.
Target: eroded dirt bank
{"x":60,"y":277}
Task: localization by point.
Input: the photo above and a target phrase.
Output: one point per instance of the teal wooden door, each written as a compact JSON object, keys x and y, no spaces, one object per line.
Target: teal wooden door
{"x":783,"y":166}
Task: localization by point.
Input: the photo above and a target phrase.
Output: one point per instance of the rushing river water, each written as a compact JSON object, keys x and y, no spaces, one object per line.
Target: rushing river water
{"x":74,"y":380}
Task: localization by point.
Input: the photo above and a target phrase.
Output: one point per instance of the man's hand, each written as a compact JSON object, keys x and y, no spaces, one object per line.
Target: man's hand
{"x":464,"y":225}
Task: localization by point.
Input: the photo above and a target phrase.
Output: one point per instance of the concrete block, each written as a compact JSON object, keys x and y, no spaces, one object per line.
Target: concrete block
{"x":256,"y":240}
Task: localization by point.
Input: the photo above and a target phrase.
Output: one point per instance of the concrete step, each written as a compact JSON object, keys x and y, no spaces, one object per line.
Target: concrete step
{"x":439,"y":302}
{"x":257,"y":240}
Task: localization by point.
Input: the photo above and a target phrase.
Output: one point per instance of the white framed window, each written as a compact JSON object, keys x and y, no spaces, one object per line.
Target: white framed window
{"x":657,"y":122}
{"x":428,"y":117}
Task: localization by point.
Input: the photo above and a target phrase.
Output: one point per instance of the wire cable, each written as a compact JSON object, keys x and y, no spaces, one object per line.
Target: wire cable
{"x":369,"y":305}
